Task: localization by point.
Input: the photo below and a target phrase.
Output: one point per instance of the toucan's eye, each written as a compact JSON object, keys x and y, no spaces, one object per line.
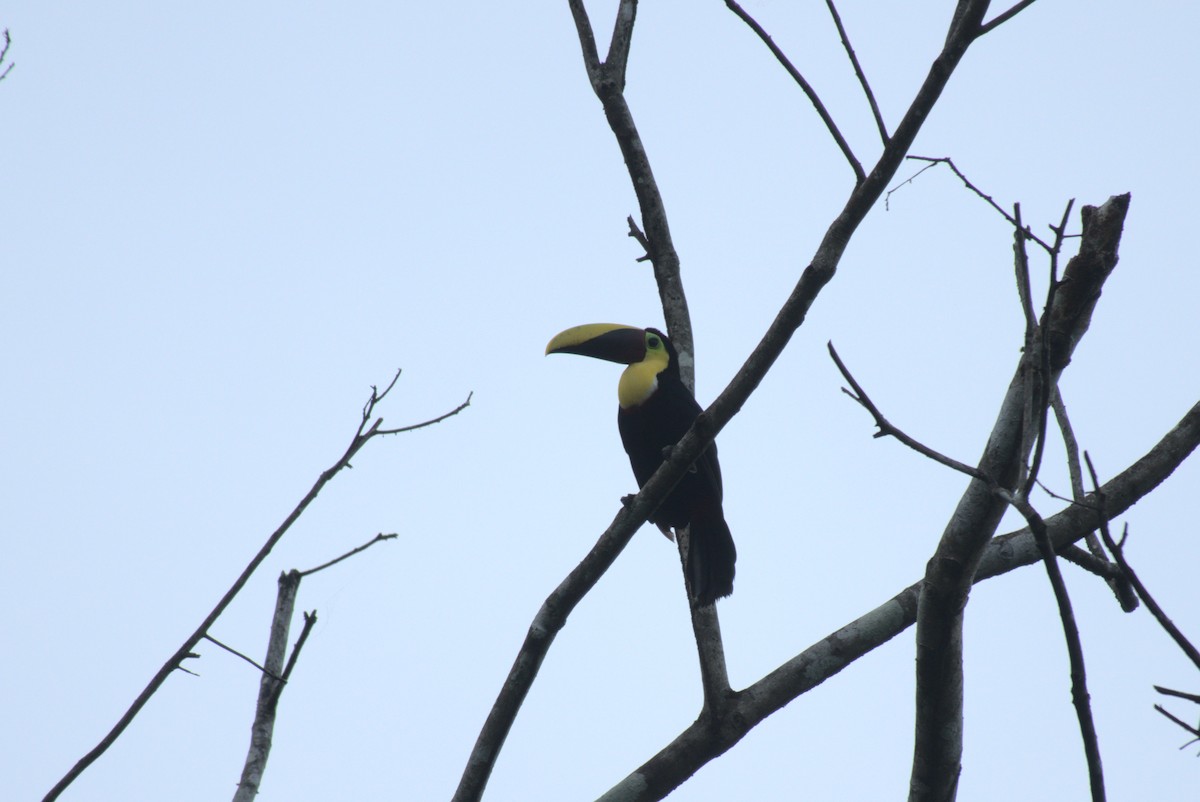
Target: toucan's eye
{"x":653,"y":342}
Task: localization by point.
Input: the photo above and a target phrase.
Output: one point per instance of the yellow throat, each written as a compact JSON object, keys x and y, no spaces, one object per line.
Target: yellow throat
{"x":640,"y":380}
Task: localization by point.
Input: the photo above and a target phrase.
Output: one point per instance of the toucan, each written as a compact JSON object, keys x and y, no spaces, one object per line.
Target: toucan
{"x":656,"y":410}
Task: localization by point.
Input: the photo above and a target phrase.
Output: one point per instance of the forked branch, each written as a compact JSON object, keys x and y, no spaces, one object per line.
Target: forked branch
{"x":806,"y":87}
{"x":367,"y":430}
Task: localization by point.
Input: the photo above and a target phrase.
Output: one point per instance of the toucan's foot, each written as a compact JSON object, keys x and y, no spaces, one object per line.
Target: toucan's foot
{"x":627,"y":501}
{"x":666,"y":453}
{"x":666,"y":530}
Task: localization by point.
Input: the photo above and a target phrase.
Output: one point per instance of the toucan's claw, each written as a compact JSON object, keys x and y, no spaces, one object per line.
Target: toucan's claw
{"x":666,"y":530}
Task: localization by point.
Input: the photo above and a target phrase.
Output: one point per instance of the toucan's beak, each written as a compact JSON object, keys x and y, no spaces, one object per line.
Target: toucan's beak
{"x":616,"y":343}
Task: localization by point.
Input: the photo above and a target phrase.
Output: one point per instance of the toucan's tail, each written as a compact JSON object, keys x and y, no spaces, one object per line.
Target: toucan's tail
{"x":711,"y":555}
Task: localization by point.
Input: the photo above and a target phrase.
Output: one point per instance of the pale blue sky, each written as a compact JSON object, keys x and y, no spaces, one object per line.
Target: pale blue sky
{"x":220,"y":225}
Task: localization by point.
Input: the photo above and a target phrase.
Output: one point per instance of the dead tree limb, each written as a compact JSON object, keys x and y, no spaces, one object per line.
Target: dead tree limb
{"x":550,"y":619}
{"x":699,"y":743}
{"x":367,"y":430}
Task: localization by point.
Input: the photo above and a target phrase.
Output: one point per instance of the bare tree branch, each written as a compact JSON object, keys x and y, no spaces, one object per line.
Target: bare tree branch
{"x":820,"y":271}
{"x":4,"y":52}
{"x":1118,"y":552}
{"x":618,"y":49}
{"x":858,"y":71}
{"x":855,"y":165}
{"x":1116,"y":580}
{"x":362,"y":436}
{"x":661,"y":251}
{"x":262,"y":730}
{"x":1181,"y":723}
{"x":236,"y":653}
{"x":429,"y":422}
{"x":1034,"y":362}
{"x":946,"y":160}
{"x":608,"y":82}
{"x":950,"y":573}
{"x":702,"y":742}
{"x":1000,"y":19}
{"x":276,"y":675}
{"x":1079,"y":691}
{"x":379,"y":538}
{"x":886,"y":429}
{"x":1191,"y":697}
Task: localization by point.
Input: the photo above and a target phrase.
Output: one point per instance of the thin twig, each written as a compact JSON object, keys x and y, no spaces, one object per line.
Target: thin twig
{"x":1030,"y":350}
{"x":1117,"y":581}
{"x":236,"y":653}
{"x":1079,"y":692}
{"x":1181,"y":723}
{"x":858,"y":71}
{"x":946,"y":160}
{"x":431,"y":421}
{"x":362,"y":436}
{"x":855,"y":165}
{"x":3,"y":53}
{"x":887,"y":199}
{"x":1191,"y":697}
{"x":378,"y":538}
{"x":310,"y":620}
{"x":1118,"y":552}
{"x":1000,"y":19}
{"x":1045,"y":384}
{"x":886,"y":429}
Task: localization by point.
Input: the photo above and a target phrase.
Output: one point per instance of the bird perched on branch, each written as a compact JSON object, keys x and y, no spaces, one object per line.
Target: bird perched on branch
{"x":656,"y":410}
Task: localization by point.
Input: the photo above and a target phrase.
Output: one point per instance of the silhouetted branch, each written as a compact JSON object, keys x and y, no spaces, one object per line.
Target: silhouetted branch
{"x":946,"y":160}
{"x":1181,"y":723}
{"x":236,"y":653}
{"x":855,"y":165}
{"x":1079,"y":691}
{"x":1112,"y":572}
{"x":4,"y":53}
{"x":1118,"y":552}
{"x":858,"y":71}
{"x":361,"y":437}
{"x":1033,"y":355}
{"x":379,"y":538}
{"x":1191,"y":697}
{"x":608,"y":82}
{"x":886,"y":429}
{"x":702,"y":741}
{"x":1000,"y":19}
{"x":951,"y":570}
{"x":430,"y":422}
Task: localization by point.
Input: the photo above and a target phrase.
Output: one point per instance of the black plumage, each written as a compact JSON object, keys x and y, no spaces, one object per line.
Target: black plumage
{"x":649,"y":428}
{"x":656,"y":410}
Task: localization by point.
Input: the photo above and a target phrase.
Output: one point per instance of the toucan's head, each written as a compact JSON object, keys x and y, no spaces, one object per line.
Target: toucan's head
{"x":647,"y":352}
